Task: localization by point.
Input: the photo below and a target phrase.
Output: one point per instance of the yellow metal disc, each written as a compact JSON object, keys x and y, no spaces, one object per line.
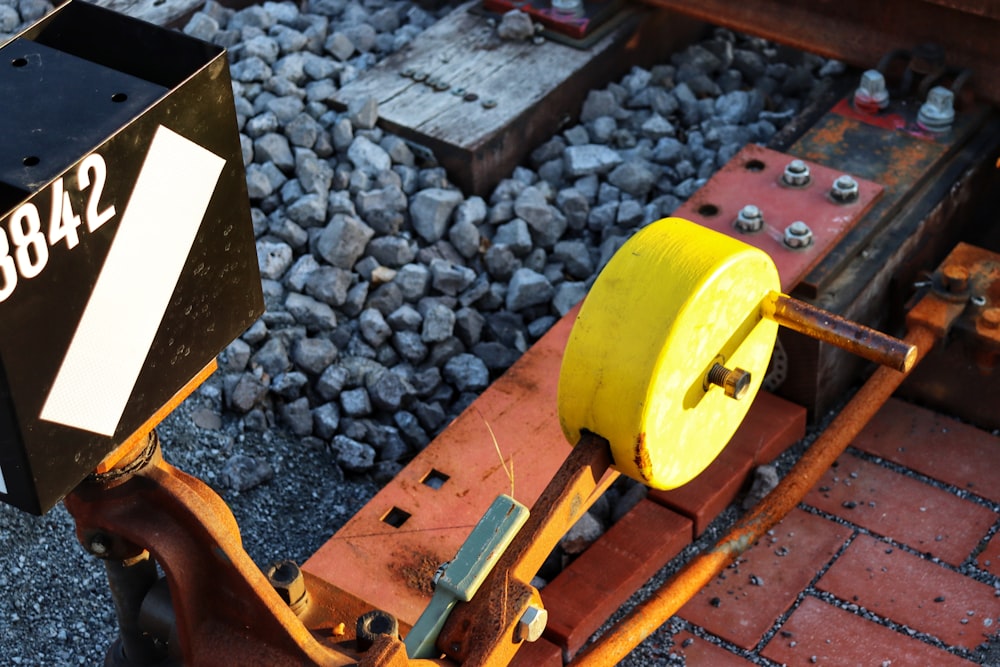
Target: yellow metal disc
{"x":673,"y":301}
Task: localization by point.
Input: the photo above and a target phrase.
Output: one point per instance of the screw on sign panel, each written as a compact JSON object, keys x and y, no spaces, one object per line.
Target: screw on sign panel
{"x":143,"y":265}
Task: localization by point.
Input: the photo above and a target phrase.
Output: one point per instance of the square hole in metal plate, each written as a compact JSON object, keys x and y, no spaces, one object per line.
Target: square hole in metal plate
{"x":435,"y":479}
{"x":396,"y":517}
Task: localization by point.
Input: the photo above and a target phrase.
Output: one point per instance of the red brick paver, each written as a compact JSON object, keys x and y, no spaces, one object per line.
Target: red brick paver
{"x":698,"y":652}
{"x":837,"y":637}
{"x":597,"y":583}
{"x":746,"y":600}
{"x":934,"y":445}
{"x":915,"y":592}
{"x":989,"y":559}
{"x":539,"y":653}
{"x":905,"y":509}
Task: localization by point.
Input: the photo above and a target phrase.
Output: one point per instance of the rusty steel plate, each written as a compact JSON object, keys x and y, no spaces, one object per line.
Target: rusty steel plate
{"x":754,"y":176}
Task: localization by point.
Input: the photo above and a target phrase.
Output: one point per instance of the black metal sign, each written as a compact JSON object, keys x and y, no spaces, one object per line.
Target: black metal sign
{"x":127,"y":258}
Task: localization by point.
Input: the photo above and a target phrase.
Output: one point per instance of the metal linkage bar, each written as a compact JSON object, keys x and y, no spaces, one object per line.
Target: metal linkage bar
{"x":845,"y":334}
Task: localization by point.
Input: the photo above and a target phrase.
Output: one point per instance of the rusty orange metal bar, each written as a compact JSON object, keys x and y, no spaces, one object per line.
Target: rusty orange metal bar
{"x":823,"y":325}
{"x":667,"y":600}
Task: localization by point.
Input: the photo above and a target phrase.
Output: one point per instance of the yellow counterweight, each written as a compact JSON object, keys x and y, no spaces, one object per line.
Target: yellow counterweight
{"x":676,"y":301}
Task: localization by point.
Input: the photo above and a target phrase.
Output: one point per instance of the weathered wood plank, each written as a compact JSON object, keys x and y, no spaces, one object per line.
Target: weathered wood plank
{"x":535,"y":87}
{"x":161,"y":12}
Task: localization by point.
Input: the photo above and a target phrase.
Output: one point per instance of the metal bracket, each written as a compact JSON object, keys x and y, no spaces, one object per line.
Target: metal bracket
{"x":461,"y":578}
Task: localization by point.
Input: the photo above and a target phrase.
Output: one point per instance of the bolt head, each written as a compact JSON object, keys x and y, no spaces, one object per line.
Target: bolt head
{"x":737,"y":383}
{"x":798,"y":235}
{"x":532,"y":623}
{"x":796,"y":173}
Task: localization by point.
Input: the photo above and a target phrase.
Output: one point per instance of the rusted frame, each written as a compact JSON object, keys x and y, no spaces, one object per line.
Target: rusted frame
{"x":224,"y":609}
{"x":860,"y":32}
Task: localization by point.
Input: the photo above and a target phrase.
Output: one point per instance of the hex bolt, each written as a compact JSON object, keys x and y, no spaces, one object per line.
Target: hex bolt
{"x":844,"y":190}
{"x":955,"y":279}
{"x":871,"y":94}
{"x":286,"y":578}
{"x":798,"y":235}
{"x":796,"y":174}
{"x":938,"y":112}
{"x":735,"y":381}
{"x":420,"y":76}
{"x":532,"y":624}
{"x":990,"y":318}
{"x":749,"y":220}
{"x":373,"y":624}
{"x":489,"y":104}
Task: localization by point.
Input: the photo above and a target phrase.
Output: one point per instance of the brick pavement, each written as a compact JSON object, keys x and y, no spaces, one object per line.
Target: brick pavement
{"x":891,"y":559}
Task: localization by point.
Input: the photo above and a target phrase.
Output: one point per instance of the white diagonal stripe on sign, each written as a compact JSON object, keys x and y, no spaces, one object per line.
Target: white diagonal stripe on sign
{"x":3,"y":483}
{"x":158,"y":227}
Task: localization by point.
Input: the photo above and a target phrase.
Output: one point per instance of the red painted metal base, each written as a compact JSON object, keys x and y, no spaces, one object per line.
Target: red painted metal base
{"x":577,"y":24}
{"x":754,"y":176}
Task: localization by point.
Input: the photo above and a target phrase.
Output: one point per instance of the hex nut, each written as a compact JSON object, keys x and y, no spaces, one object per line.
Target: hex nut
{"x":373,"y":624}
{"x":286,"y":578}
{"x":938,"y":113}
{"x":871,"y":94}
{"x":749,"y":220}
{"x":798,"y":235}
{"x":796,"y":174}
{"x":532,"y":623}
{"x":845,"y":189}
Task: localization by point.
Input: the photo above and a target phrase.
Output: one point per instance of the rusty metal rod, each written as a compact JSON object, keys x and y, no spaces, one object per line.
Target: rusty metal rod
{"x":825,"y":326}
{"x":669,"y":598}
